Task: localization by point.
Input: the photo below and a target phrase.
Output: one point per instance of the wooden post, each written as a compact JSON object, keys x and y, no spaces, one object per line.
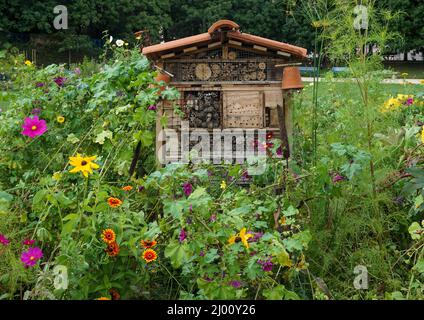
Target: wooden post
{"x":281,"y":110}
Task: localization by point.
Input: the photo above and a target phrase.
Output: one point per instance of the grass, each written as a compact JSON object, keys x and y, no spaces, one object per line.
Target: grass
{"x":415,"y":70}
{"x":349,"y":227}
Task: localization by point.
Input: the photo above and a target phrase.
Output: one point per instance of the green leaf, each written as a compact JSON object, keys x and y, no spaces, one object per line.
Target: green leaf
{"x":102,"y":136}
{"x":419,"y":266}
{"x":147,"y":138}
{"x":418,"y":201}
{"x":283,"y":258}
{"x":175,"y":209}
{"x":177,"y":253}
{"x":4,"y":196}
{"x":290,"y":211}
{"x":279,"y":292}
{"x":415,"y":230}
{"x":72,"y":138}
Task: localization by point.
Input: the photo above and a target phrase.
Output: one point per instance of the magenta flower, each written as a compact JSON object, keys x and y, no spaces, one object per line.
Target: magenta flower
{"x":152,"y":107}
{"x":36,"y":111}
{"x":409,"y":101}
{"x":28,"y":242}
{"x":245,"y":176}
{"x":39,"y":84}
{"x":188,"y":189}
{"x":279,"y":151}
{"x":337,"y":177}
{"x":212,"y":218}
{"x":202,"y":253}
{"x":34,"y":127}
{"x":256,"y":236}
{"x":266,"y":265}
{"x":235,"y":284}
{"x":60,"y":81}
{"x":31,"y":257}
{"x":182,"y":235}
{"x":3,"y":240}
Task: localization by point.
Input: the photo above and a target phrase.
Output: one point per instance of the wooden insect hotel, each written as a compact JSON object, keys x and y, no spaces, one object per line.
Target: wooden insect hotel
{"x":229,"y":79}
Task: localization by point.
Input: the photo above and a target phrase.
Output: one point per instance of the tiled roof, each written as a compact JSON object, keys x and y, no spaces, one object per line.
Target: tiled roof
{"x":233,"y":32}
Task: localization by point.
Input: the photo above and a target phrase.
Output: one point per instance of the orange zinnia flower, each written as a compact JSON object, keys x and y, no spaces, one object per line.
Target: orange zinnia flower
{"x":148,"y":244}
{"x":108,"y":236}
{"x":112,"y":249}
{"x":114,"y":202}
{"x":149,"y":255}
{"x":103,"y":298}
{"x":127,"y":188}
{"x":114,"y":294}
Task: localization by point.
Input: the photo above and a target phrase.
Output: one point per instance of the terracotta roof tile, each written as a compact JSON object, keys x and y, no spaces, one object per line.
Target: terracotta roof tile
{"x":233,"y":33}
{"x":245,"y":37}
{"x":203,"y":37}
{"x":221,"y":24}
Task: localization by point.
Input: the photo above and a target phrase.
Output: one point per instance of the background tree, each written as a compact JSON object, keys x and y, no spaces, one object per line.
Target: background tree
{"x":410,"y":26}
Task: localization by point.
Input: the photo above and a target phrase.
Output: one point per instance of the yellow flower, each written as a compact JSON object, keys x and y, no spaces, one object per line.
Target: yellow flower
{"x":83,"y":164}
{"x":316,"y":24}
{"x":241,"y":236}
{"x":422,"y":81}
{"x":223,"y":185}
{"x":404,"y":74}
{"x":102,"y":298}
{"x":422,"y":136}
{"x":60,"y":119}
{"x":392,"y":103}
{"x":28,"y":63}
{"x":57,"y":176}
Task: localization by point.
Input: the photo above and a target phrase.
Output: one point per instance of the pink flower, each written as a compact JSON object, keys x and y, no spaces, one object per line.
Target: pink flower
{"x":188,"y":189}
{"x":36,"y":111}
{"x":152,"y":107}
{"x":60,"y":81}
{"x":34,"y":127}
{"x":28,"y":242}
{"x":3,"y":240}
{"x":279,"y":151}
{"x":337,"y":177}
{"x":266,"y":265}
{"x":31,"y":257}
{"x":235,"y":284}
{"x":409,"y":101}
{"x":77,"y":71}
{"x":182,"y":235}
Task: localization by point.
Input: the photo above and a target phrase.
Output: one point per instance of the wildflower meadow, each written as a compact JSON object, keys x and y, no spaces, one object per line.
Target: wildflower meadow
{"x":87,"y":212}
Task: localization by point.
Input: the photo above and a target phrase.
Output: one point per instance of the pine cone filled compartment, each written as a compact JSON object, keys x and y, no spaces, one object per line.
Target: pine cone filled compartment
{"x":203,"y":109}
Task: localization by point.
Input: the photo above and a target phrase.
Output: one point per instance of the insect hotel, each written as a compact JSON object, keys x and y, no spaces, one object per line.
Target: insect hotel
{"x":228,"y":79}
